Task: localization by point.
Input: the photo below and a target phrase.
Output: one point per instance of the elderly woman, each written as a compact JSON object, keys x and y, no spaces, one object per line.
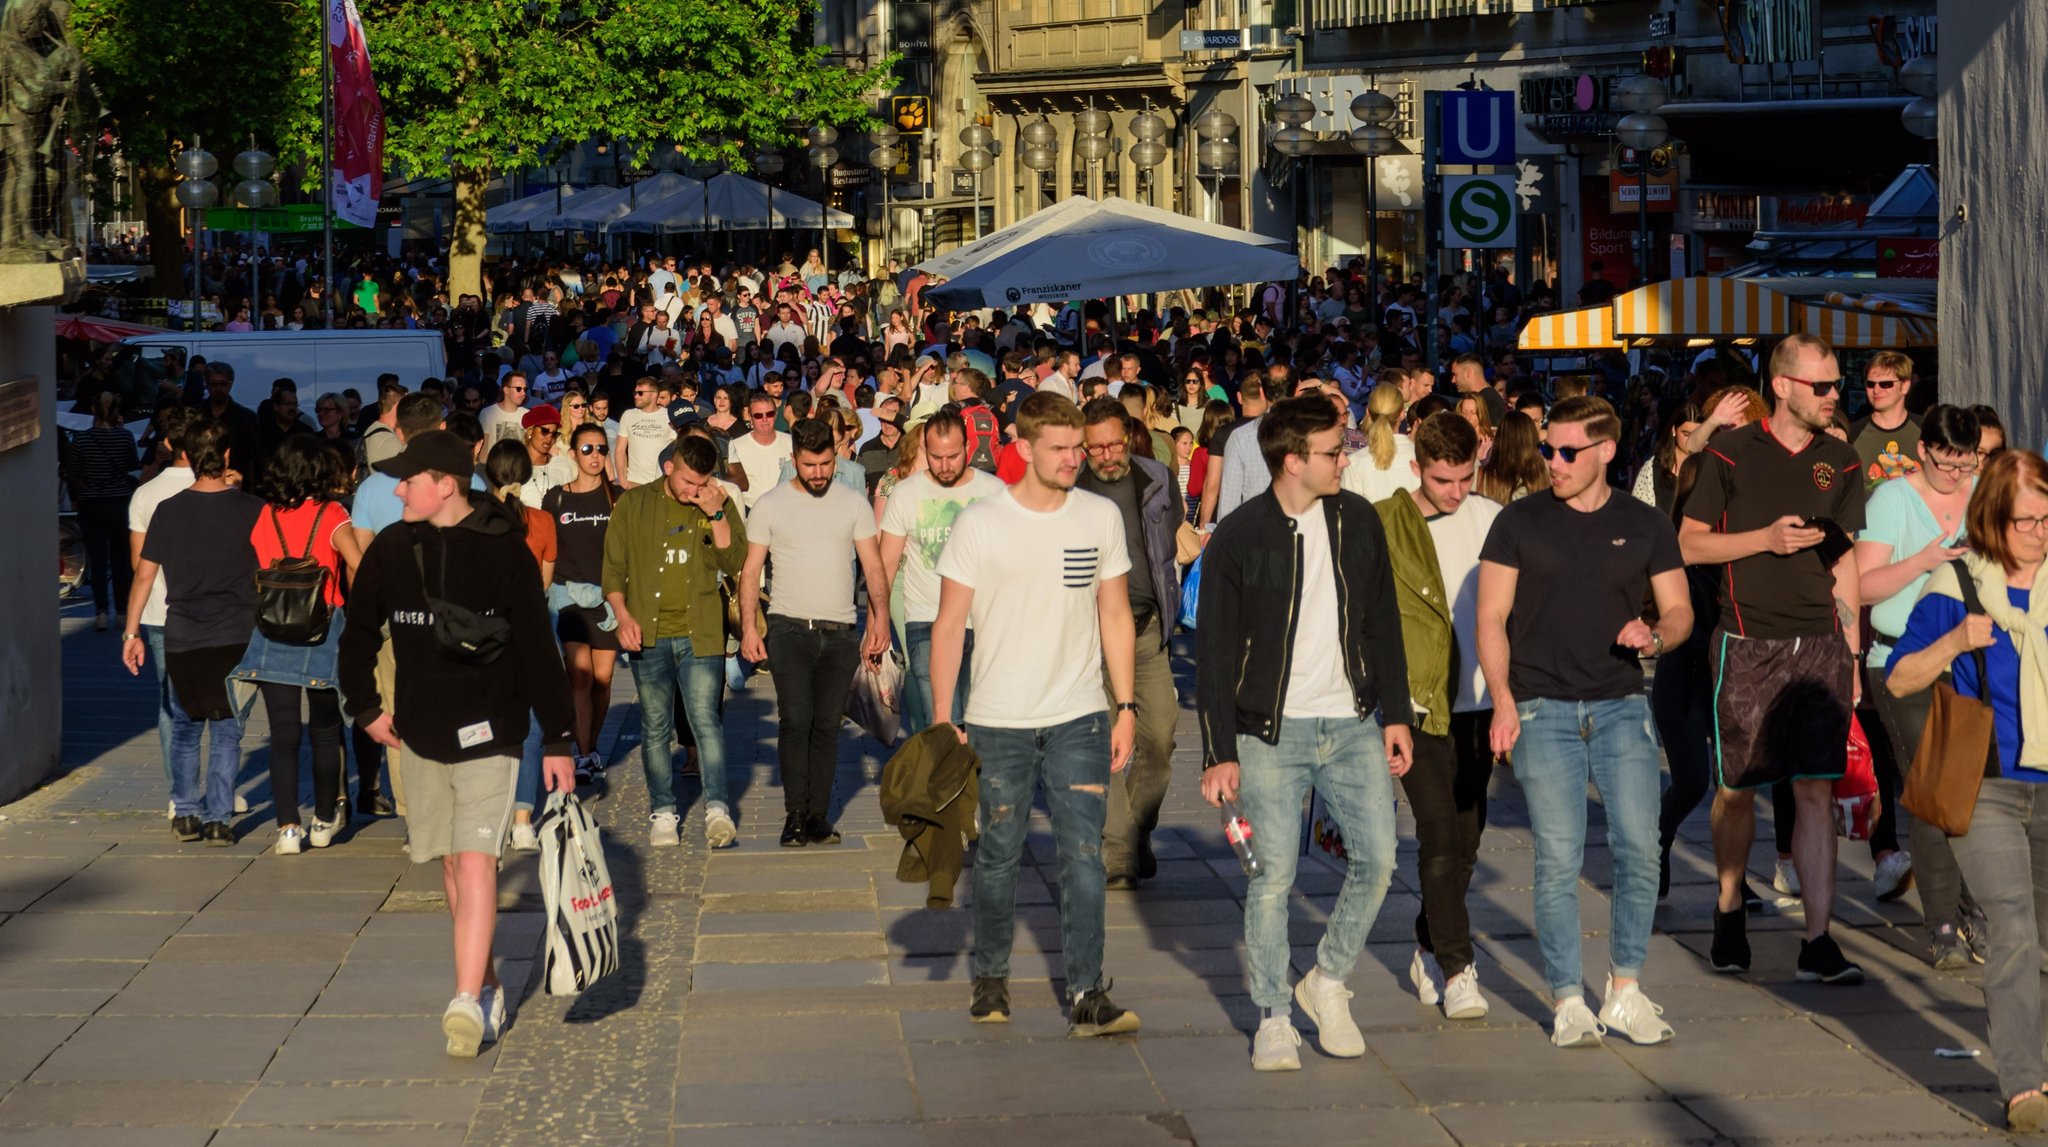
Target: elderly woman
{"x":2000,"y":656}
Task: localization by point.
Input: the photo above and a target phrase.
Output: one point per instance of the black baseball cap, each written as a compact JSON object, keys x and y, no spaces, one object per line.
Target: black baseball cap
{"x":442,"y":451}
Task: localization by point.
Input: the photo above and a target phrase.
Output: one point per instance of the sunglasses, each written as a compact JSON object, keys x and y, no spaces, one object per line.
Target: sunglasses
{"x":1822,"y":387}
{"x":594,"y":448}
{"x":1570,"y":454}
{"x":1880,"y":383}
{"x":762,"y":415}
{"x":550,"y":431}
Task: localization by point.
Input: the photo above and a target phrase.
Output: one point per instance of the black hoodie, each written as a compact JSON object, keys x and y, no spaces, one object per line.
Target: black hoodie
{"x":447,"y":710}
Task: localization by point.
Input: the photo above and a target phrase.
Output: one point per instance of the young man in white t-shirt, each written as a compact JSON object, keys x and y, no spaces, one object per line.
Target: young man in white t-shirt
{"x":174,"y":478}
{"x":502,"y":419}
{"x":757,"y":455}
{"x":1286,"y":707}
{"x":915,"y":525}
{"x":1040,"y":571}
{"x":1434,"y":533}
{"x":644,"y":433}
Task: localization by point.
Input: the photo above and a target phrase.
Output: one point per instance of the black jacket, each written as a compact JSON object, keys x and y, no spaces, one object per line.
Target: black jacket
{"x":1250,"y":604}
{"x":490,"y":570}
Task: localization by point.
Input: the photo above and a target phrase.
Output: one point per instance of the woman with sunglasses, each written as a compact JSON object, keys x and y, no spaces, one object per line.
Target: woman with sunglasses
{"x":1195,"y":393}
{"x":581,"y":511}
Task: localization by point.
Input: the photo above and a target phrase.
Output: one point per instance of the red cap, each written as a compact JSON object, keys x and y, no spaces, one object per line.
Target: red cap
{"x":543,"y":415}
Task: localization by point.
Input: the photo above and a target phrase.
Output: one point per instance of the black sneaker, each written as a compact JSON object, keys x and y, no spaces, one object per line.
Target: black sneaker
{"x":1148,"y":864}
{"x":186,"y":828}
{"x":1730,"y":952}
{"x":1822,"y":960}
{"x":217,"y":834}
{"x":991,"y":1000}
{"x":1094,"y":1015}
{"x":1664,"y":872}
{"x":818,"y":830}
{"x":379,"y":805}
{"x":1751,"y":902}
{"x":793,"y":835}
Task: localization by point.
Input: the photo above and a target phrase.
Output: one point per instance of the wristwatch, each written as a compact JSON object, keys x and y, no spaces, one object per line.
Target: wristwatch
{"x":719,"y":516}
{"x":1657,"y":639}
{"x":128,"y":637}
{"x":1126,"y":706}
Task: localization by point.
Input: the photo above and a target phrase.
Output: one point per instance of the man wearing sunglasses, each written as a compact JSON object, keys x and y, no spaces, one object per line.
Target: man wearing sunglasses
{"x":1886,"y":439}
{"x":1784,"y":675}
{"x":1562,"y":580}
{"x":502,"y":419}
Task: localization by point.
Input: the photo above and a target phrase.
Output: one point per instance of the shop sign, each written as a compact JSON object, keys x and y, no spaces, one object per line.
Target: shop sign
{"x":1811,"y":212}
{"x":1900,"y":39}
{"x":850,"y":175}
{"x":1723,"y":211}
{"x":1772,"y":31}
{"x":1625,"y":193}
{"x":1214,"y":40}
{"x":914,"y":29}
{"x":1478,"y":128}
{"x":1569,"y":105}
{"x":1605,"y":237}
{"x":1909,"y":259}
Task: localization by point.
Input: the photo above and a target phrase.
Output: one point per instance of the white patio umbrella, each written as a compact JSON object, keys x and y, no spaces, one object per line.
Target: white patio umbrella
{"x":603,"y":206}
{"x":1083,"y":248}
{"x":728,"y":202}
{"x":521,"y":214}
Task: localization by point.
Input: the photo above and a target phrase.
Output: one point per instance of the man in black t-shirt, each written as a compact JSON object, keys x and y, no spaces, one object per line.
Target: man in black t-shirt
{"x":1559,"y":573}
{"x":1775,"y":505}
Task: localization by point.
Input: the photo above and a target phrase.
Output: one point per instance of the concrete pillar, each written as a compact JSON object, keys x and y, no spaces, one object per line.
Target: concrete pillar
{"x":1002,"y":176}
{"x":1126,"y":171}
{"x":1063,"y":171}
{"x":31,"y":667}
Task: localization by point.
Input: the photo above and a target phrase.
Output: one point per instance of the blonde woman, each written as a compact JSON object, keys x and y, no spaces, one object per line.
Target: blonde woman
{"x":1385,"y":465}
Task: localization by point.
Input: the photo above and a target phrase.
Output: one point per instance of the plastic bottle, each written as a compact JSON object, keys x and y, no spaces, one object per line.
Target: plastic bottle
{"x":1238,"y":831}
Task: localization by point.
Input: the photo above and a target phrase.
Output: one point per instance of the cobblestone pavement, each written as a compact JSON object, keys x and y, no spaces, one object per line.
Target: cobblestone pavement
{"x":157,"y":993}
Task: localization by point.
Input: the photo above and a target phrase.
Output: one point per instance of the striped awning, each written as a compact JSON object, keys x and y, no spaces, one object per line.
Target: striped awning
{"x":1702,"y":308}
{"x":1858,"y":327}
{"x":1588,"y":328}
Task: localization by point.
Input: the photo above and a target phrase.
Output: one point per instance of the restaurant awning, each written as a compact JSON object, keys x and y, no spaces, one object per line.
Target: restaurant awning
{"x":1701,"y":308}
{"x":1588,"y":328}
{"x":1863,"y":328}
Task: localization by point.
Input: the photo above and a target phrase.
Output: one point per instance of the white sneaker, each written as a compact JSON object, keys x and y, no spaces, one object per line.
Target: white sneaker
{"x":718,"y":827}
{"x":1631,"y":1013}
{"x":1894,"y":875}
{"x":1276,"y":1046}
{"x":171,"y":811}
{"x":1462,"y":1000}
{"x":664,"y":829}
{"x":324,"y":831}
{"x":524,"y":839}
{"x":492,"y":1004}
{"x":241,"y":803}
{"x":291,"y":840}
{"x":463,"y":1024}
{"x":1328,"y":1004}
{"x":1426,"y":976}
{"x":1785,"y":879}
{"x":1573,"y":1025}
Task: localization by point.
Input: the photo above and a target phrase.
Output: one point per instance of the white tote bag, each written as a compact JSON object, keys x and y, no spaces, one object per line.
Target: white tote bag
{"x":576,"y":892}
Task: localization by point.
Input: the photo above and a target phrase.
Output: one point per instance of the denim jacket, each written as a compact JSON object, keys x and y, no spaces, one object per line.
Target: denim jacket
{"x":307,"y":666}
{"x":583,"y":595}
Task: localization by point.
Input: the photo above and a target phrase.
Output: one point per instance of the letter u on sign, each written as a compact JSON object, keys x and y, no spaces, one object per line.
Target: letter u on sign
{"x":1477,"y":127}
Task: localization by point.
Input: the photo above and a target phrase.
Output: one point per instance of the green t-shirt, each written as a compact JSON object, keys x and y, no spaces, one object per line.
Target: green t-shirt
{"x":672,"y":612}
{"x":1887,"y":453}
{"x":366,"y":296}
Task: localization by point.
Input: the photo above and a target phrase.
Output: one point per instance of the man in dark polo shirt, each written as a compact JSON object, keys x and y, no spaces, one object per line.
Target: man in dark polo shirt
{"x":1775,"y":505}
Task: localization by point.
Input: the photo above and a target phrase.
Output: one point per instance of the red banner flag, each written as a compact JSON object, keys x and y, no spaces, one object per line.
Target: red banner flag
{"x":358,"y":146}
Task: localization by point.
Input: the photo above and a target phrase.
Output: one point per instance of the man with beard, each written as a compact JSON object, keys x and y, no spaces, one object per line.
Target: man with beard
{"x":1148,"y":500}
{"x":915,"y":525}
{"x":808,"y":526}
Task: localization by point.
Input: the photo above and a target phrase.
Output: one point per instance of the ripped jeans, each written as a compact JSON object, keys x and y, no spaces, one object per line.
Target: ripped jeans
{"x":1072,"y":759}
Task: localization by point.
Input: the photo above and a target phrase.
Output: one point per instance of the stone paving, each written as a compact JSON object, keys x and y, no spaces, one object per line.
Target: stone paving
{"x":157,"y":993}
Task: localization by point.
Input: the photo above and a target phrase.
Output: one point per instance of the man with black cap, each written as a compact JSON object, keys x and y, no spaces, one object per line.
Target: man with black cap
{"x":476,"y":663}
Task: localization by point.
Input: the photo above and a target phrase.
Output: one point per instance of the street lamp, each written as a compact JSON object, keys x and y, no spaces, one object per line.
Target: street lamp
{"x":1216,"y":152}
{"x":254,"y":191}
{"x":1643,"y":131}
{"x":884,"y":155}
{"x":1920,"y":77}
{"x":975,"y":156}
{"x":1093,"y":144}
{"x":823,"y":155}
{"x":195,"y":193}
{"x":769,"y":163}
{"x":1294,"y":141}
{"x":1372,"y":138}
{"x":1150,"y":149}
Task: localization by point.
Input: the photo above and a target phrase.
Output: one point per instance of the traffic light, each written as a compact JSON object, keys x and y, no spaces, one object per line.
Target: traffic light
{"x":910,"y":114}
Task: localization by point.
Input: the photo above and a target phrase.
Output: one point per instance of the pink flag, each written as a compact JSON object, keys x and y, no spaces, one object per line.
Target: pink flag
{"x":358,"y":175}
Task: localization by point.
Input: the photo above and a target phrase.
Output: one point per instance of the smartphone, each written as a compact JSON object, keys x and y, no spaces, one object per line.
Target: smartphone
{"x":1834,"y":542}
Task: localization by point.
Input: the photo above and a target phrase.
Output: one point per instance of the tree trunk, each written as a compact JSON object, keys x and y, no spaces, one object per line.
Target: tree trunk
{"x":160,"y":215}
{"x":466,"y":244}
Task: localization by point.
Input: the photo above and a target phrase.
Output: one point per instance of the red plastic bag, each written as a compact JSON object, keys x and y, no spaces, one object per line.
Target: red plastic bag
{"x":1856,"y":801}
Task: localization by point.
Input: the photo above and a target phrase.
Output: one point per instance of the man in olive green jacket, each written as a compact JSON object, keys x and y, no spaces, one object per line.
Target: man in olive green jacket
{"x":1434,"y":533}
{"x":664,"y":550}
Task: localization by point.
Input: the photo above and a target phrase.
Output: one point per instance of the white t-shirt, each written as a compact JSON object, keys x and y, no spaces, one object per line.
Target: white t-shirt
{"x":141,"y":508}
{"x":500,"y":424}
{"x":810,"y":539}
{"x":1037,"y":637}
{"x":761,"y":464}
{"x":1056,"y":383}
{"x":1317,"y":685}
{"x":922,"y":513}
{"x":1458,"y":538}
{"x":646,"y":433}
{"x":1370,"y":482}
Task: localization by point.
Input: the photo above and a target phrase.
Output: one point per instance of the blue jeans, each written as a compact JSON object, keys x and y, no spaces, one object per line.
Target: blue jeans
{"x":1563,"y":745}
{"x":661,"y":665}
{"x":153,"y":636}
{"x":1072,"y":759}
{"x":223,"y":763}
{"x":1345,"y":759}
{"x":526,"y":790}
{"x":917,"y":678}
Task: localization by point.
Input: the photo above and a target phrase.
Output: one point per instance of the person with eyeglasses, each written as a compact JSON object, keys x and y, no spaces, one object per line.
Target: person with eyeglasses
{"x":1775,"y":504}
{"x":756,"y":457}
{"x":644,"y":432}
{"x":581,"y":511}
{"x":1914,"y":526}
{"x":503,"y":419}
{"x":1886,"y":439}
{"x":1563,"y":575}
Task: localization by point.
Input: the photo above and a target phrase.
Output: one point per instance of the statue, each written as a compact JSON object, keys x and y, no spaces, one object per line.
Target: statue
{"x":40,"y":73}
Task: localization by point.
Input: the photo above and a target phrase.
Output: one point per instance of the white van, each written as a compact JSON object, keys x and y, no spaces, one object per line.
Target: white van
{"x":321,"y":362}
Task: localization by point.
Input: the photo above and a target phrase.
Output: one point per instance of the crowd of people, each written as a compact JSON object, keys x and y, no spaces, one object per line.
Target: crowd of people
{"x":1402,"y":577}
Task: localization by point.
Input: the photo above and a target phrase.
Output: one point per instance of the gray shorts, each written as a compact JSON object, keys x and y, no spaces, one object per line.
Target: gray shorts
{"x":461,"y":807}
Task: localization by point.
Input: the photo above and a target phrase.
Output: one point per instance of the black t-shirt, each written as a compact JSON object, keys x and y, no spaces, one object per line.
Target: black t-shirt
{"x":209,"y":567}
{"x":1009,"y":396}
{"x":580,"y":521}
{"x":1580,"y":577}
{"x":1124,"y":493}
{"x":1747,"y":480}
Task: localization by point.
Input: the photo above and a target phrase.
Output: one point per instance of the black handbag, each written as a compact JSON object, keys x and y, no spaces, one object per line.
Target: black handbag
{"x":461,"y":633}
{"x":291,"y":593}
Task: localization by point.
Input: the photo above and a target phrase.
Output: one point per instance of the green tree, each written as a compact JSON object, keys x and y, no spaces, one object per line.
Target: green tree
{"x":212,"y":69}
{"x":475,"y":87}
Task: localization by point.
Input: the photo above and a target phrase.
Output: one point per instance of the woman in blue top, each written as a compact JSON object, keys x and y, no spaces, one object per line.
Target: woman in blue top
{"x":1912,"y":526}
{"x":2005,"y":855}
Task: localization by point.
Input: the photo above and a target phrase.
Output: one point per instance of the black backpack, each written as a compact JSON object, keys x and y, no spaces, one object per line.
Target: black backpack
{"x":291,"y":593}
